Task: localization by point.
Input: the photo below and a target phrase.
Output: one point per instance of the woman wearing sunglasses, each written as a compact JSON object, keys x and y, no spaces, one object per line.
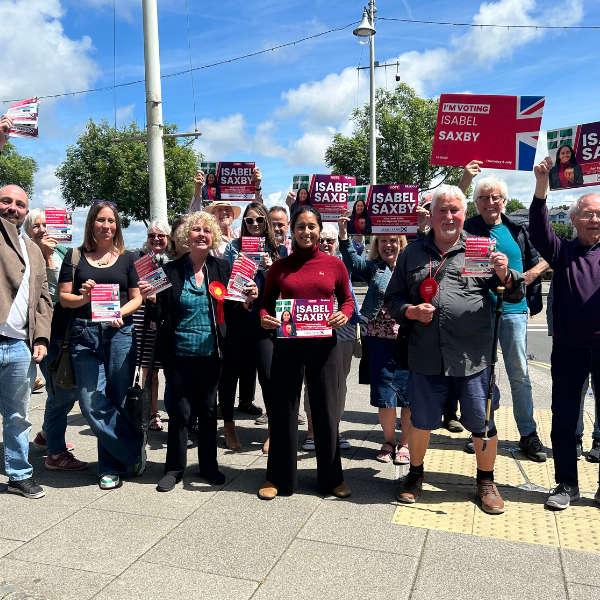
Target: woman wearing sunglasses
{"x":246,"y":335}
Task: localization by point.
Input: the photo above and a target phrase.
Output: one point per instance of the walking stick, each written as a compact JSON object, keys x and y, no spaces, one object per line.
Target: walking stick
{"x":488,"y":410}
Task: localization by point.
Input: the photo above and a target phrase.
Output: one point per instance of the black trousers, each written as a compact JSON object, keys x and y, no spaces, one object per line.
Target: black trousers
{"x":193,"y":381}
{"x":570,"y":368}
{"x":250,"y":337}
{"x":315,"y":358}
{"x":247,"y":385}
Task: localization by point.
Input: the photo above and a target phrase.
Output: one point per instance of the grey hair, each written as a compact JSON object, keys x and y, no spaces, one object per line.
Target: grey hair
{"x":491,"y":182}
{"x":330,"y":231}
{"x":31,"y":218}
{"x":574,"y":208}
{"x":448,"y":191}
{"x":161,"y":227}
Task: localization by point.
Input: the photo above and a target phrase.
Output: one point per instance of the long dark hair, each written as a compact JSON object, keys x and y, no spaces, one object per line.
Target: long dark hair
{"x":90,"y":242}
{"x":364,"y":215}
{"x":572,"y":160}
{"x":206,"y":186}
{"x":269,"y":232}
{"x":307,"y":202}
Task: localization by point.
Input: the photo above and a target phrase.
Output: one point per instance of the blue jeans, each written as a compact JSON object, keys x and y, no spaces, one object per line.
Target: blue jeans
{"x":17,"y":374}
{"x":103,"y":360}
{"x":513,"y":341}
{"x":58,"y":404}
{"x":579,"y":432}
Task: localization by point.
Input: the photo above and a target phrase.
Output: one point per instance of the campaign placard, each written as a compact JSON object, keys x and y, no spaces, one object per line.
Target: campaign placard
{"x":149,"y":270}
{"x":575,"y":152}
{"x":234,"y":180}
{"x":59,"y":223}
{"x":303,"y":318}
{"x":25,"y":118}
{"x":477,"y":256}
{"x":390,"y":209}
{"x":242,"y":273}
{"x":500,"y":131}
{"x":328,"y":193}
{"x":106,"y":303}
{"x":253,"y":248}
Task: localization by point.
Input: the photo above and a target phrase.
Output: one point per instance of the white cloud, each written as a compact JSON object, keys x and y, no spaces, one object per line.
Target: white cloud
{"x":125,"y":113}
{"x":223,"y":136}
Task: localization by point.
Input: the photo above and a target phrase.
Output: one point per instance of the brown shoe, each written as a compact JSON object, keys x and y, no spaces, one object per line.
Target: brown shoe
{"x":266,"y":444}
{"x":268,"y":491}
{"x":231,"y":439}
{"x":410,"y":488}
{"x":491,"y":502}
{"x":340,"y":491}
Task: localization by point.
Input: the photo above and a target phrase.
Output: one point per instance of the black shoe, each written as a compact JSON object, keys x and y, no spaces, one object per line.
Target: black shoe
{"x":251,"y":409}
{"x":593,"y":455}
{"x":213,"y":476}
{"x":167,"y":483}
{"x":193,"y":430}
{"x":532,"y":446}
{"x":219,"y":413}
{"x":579,"y":446}
{"x":27,"y":487}
{"x":469,"y":446}
{"x":452,"y":424}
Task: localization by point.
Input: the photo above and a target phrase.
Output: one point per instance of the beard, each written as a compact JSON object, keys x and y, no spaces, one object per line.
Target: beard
{"x":449,"y":233}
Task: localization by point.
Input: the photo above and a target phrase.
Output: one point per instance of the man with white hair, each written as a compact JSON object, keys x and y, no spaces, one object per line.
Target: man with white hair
{"x":512,"y":239}
{"x":576,"y":320}
{"x":450,"y":340}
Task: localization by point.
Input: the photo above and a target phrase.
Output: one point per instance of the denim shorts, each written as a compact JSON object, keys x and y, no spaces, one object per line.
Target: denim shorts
{"x":427,"y":395}
{"x":388,"y":380}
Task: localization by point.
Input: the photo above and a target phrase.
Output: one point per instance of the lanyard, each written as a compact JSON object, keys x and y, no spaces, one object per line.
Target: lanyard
{"x":438,"y":269}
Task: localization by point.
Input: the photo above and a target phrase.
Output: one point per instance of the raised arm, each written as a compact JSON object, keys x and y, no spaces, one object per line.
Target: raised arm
{"x":354,"y":263}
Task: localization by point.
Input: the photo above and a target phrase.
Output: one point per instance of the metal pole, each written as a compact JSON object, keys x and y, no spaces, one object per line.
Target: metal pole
{"x":156,"y":153}
{"x":373,"y":143}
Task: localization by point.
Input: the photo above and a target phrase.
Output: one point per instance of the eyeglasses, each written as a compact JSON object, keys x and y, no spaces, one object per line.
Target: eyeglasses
{"x":160,"y":236}
{"x":329,"y":241}
{"x":589,"y":215}
{"x":492,"y":198}
{"x":251,"y":221}
{"x":100,"y":201}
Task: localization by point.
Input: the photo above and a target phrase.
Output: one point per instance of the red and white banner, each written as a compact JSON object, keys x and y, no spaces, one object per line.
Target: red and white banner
{"x":233,"y":180}
{"x":328,"y":193}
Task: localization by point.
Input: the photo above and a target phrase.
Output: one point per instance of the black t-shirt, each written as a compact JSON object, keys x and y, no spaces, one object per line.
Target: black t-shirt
{"x":122,"y":272}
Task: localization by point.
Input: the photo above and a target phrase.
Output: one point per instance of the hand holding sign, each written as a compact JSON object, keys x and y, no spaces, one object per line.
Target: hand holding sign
{"x":542,"y":177}
{"x":343,"y":225}
{"x":269,"y":322}
{"x":338,"y":319}
{"x":500,"y":263}
{"x":421,"y":312}
{"x":198,"y":183}
{"x":6,"y":123}
{"x":469,"y":173}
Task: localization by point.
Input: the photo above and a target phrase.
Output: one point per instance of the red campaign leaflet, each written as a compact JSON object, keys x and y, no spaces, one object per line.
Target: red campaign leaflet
{"x":303,"y":318}
{"x":242,"y":273}
{"x":106,"y":303}
{"x":500,"y":131}
{"x":328,"y":193}
{"x":477,"y":256}
{"x":253,"y":248}
{"x":234,"y":180}
{"x":149,"y":270}
{"x":25,"y":118}
{"x":391,"y":209}
{"x":582,"y":164}
{"x":59,"y":224}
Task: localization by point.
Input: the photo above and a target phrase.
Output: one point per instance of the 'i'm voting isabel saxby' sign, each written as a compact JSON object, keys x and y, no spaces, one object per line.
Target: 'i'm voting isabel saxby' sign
{"x":500,"y":131}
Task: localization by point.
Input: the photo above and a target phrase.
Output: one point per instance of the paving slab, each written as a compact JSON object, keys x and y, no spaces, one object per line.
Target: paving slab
{"x":583,"y":592}
{"x":7,"y":546}
{"x":581,"y":567}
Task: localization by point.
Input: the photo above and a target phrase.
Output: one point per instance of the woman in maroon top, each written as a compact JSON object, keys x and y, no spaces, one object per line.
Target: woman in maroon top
{"x":307,"y":274}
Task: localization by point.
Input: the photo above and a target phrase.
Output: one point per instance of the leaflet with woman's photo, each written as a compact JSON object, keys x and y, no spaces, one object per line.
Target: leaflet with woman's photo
{"x":149,"y":270}
{"x":106,"y":302}
{"x":303,"y":318}
{"x":477,"y":256}
{"x":59,"y":223}
{"x":242,"y":273}
{"x":254,"y":247}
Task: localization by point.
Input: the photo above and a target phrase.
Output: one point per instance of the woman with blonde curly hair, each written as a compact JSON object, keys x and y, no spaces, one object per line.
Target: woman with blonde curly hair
{"x":191,"y":342}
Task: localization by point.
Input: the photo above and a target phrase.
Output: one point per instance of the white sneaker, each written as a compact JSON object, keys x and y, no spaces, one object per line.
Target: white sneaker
{"x":189,"y":443}
{"x":344,"y":443}
{"x":309,"y":444}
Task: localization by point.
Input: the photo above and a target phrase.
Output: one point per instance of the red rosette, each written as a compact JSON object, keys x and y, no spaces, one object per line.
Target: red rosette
{"x":428,"y":289}
{"x":218,"y":291}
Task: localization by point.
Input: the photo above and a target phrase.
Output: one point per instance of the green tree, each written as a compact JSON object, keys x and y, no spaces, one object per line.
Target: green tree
{"x":512,"y":205}
{"x":95,"y":167}
{"x":17,"y":169}
{"x":407,"y":124}
{"x":471,"y":209}
{"x":563,"y":231}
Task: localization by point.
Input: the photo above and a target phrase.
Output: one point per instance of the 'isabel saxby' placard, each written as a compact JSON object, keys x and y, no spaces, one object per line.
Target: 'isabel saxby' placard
{"x":303,"y":318}
{"x":234,"y":180}
{"x":328,"y":193}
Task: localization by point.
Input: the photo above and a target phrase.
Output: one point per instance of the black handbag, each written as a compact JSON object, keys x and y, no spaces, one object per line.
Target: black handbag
{"x":139,"y":400}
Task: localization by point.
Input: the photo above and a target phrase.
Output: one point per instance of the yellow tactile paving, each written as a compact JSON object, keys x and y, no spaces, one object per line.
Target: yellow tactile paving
{"x":449,"y":503}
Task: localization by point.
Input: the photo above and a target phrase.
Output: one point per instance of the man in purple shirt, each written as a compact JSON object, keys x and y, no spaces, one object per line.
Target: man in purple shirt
{"x":576,"y":315}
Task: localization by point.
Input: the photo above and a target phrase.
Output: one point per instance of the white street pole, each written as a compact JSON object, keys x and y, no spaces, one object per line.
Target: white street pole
{"x":156,"y":153}
{"x":373,"y":143}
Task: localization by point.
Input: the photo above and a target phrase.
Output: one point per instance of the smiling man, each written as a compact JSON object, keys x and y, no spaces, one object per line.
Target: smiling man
{"x":576,"y":319}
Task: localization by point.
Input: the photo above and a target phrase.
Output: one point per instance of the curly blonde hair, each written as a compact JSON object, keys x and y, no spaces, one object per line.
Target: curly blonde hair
{"x":202,"y":218}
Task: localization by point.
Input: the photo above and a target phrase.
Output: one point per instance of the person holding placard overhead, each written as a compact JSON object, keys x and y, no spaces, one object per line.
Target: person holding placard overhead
{"x":103,"y":353}
{"x":307,"y":274}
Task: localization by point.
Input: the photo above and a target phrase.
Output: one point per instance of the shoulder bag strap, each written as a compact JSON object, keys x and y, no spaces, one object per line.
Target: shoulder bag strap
{"x":75,"y":257}
{"x":148,"y":382}
{"x":141,"y":353}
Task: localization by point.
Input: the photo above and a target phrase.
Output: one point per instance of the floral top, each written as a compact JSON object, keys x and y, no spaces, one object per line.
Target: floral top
{"x":383,"y":326}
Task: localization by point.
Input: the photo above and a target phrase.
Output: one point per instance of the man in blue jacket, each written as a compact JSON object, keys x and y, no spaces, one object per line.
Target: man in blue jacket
{"x":490,"y":196}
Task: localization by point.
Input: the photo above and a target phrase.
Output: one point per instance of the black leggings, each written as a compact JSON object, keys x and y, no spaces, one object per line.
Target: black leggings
{"x":193,"y":381}
{"x":250,"y":337}
{"x":315,"y":358}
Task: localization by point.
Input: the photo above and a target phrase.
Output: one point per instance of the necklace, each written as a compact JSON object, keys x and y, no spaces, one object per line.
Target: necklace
{"x":103,"y":263}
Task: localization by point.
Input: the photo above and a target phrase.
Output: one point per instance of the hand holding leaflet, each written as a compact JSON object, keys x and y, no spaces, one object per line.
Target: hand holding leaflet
{"x":148,"y":270}
{"x":243,"y":272}
{"x":106,"y":302}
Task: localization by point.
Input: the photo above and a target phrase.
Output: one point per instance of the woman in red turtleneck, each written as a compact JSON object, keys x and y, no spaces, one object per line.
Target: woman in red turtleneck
{"x":307,"y":274}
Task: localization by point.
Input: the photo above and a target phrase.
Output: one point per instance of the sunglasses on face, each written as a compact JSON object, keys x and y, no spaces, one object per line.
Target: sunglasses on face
{"x":160,"y":236}
{"x":329,"y":241}
{"x":251,"y":221}
{"x":100,"y":201}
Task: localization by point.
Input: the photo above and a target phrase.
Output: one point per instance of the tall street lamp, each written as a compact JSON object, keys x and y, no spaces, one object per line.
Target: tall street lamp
{"x":365,"y":32}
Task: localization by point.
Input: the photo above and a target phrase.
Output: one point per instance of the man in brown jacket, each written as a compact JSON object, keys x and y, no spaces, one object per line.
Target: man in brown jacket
{"x":25,"y":319}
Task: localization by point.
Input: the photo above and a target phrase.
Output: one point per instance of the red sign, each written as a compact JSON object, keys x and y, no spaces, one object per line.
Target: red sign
{"x":234,"y":180}
{"x":328,"y":193}
{"x":500,"y":131}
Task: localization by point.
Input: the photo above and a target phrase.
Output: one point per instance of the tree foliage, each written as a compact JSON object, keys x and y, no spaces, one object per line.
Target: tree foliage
{"x":563,"y":231}
{"x":512,"y":205}
{"x":471,"y":209}
{"x":95,"y":167}
{"x":17,"y":169}
{"x":407,"y":124}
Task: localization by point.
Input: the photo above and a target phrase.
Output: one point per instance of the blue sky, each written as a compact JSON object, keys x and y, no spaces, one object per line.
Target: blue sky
{"x":281,"y":109}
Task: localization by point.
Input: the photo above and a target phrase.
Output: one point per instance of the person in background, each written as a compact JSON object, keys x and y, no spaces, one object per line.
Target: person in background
{"x":103,"y":354}
{"x":226,"y":214}
{"x":59,"y":402}
{"x":178,"y":248}
{"x":388,"y":380}
{"x":25,"y":323}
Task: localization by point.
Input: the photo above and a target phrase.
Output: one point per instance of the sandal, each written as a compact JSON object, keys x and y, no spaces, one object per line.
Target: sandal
{"x":402,"y":456}
{"x":156,"y":423}
{"x":385,"y":456}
